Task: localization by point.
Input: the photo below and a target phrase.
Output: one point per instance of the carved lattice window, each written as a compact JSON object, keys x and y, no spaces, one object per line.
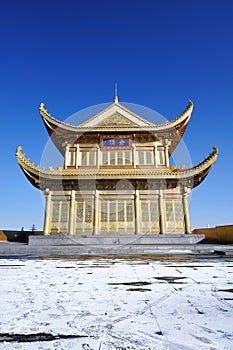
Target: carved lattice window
{"x":60,"y":211}
{"x":55,"y":216}
{"x":145,"y":211}
{"x":129,"y":212}
{"x":121,"y":211}
{"x":174,"y":210}
{"x":104,"y":211}
{"x":84,"y":212}
{"x":79,"y":212}
{"x":88,"y":212}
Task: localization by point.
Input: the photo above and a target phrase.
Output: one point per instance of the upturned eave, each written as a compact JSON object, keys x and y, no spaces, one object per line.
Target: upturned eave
{"x":38,"y":177}
{"x":62,"y":133}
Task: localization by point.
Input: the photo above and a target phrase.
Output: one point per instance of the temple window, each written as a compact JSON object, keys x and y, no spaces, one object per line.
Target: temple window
{"x":145,"y":157}
{"x":174,"y":210}
{"x":64,"y":212}
{"x":149,"y":211}
{"x":121,"y":211}
{"x":129,"y":212}
{"x":116,"y":157}
{"x":161,"y":157}
{"x":117,"y":211}
{"x":88,"y":213}
{"x":150,"y":216}
{"x":174,"y":216}
{"x":60,"y":212}
{"x":72,"y":156}
{"x":169,"y":211}
{"x":112,"y":211}
{"x":145,"y":211}
{"x":104,"y":211}
{"x":84,"y":212}
{"x":79,"y":212}
{"x":55,"y":216}
{"x":154,"y":211}
{"x":88,"y":158}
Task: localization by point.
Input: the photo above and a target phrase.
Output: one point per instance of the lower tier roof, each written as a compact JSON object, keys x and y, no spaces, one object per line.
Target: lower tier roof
{"x":41,"y":178}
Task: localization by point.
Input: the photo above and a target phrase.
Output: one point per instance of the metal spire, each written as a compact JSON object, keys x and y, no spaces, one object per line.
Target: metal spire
{"x":116,"y":96}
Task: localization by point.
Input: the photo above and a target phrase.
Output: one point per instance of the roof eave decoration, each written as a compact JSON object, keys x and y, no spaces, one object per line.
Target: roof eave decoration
{"x":192,"y":177}
{"x":61,"y":131}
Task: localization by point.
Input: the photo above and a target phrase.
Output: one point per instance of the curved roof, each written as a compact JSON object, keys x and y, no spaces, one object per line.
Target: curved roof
{"x":40,"y":178}
{"x":126,"y":121}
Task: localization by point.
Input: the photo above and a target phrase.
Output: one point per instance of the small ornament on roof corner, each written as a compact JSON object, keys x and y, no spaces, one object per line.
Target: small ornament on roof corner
{"x":19,"y":149}
{"x":41,"y":106}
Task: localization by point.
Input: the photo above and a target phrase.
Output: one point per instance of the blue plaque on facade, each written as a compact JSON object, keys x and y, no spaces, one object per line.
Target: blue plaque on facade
{"x":116,"y":142}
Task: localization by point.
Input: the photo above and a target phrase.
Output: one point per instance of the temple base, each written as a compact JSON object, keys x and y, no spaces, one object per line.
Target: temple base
{"x":115,"y":240}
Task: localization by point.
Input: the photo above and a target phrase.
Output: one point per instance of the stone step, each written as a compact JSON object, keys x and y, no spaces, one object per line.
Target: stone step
{"x":8,"y":249}
{"x":96,"y":240}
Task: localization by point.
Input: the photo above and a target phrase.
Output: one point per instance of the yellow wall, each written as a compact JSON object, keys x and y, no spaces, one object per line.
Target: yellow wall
{"x":219,"y":233}
{"x":2,"y":236}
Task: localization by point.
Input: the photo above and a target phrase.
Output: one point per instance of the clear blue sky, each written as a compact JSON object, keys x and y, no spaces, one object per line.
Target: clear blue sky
{"x":162,"y":53}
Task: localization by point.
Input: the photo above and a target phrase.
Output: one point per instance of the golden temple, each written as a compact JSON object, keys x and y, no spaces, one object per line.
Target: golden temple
{"x":116,"y":177}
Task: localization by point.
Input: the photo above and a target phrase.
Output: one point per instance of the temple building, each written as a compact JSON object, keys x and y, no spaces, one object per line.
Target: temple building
{"x":116,"y":177}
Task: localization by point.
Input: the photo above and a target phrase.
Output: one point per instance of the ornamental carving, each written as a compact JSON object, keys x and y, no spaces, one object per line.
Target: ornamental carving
{"x":116,"y":119}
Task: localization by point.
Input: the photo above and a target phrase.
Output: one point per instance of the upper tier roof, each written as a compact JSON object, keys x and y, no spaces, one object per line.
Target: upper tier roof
{"x":41,"y":178}
{"x":115,"y":119}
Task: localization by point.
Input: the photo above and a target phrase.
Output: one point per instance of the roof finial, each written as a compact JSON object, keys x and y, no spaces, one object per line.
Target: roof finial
{"x":116,"y":97}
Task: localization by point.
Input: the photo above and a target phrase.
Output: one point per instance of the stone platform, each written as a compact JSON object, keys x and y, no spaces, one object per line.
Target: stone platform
{"x":12,"y":250}
{"x":116,"y":240}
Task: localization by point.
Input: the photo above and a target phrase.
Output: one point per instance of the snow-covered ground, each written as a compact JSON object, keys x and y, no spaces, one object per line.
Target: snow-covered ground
{"x":118,"y":303}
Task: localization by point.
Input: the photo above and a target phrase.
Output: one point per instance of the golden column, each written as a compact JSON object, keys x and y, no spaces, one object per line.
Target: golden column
{"x":47,"y":212}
